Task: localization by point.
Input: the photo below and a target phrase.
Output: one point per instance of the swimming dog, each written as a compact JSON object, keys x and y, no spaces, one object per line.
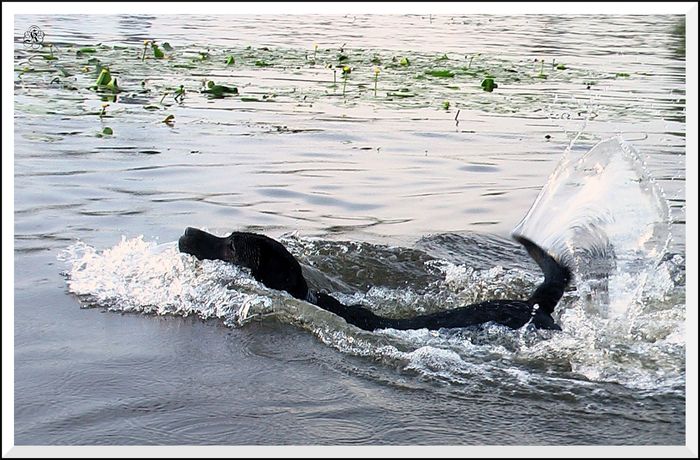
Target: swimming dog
{"x":274,"y":266}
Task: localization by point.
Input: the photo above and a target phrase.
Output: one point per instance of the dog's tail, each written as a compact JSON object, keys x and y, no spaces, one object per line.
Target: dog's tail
{"x":556,"y":276}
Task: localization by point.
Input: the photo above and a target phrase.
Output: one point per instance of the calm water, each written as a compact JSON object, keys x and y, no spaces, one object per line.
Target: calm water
{"x":392,"y":198}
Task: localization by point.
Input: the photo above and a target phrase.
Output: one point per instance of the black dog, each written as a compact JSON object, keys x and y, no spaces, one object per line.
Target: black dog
{"x":271,"y":264}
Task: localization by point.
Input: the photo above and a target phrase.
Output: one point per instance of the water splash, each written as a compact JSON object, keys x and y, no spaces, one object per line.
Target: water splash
{"x":140,"y":276}
{"x":603,"y":214}
{"x":645,"y":352}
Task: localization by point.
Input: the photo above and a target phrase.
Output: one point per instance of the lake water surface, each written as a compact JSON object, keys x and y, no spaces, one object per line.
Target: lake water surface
{"x":397,"y":185}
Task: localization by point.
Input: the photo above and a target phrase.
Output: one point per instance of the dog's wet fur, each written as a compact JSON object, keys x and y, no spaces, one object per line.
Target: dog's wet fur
{"x":274,"y":266}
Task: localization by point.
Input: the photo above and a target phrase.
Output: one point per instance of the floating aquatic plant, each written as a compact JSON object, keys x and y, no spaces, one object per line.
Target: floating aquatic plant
{"x":169,"y":120}
{"x":404,"y":61}
{"x":107,"y":131}
{"x":219,"y":91}
{"x":167,"y":47}
{"x":376,"y":77}
{"x":50,"y":56}
{"x":104,"y":110}
{"x":106,"y":81}
{"x":179,"y":94}
{"x":145,"y":47}
{"x":541,"y":74}
{"x":346,"y":74}
{"x":230,"y":60}
{"x":104,"y":77}
{"x":85,"y":50}
{"x":470,"y":62}
{"x":440,"y":73}
{"x":446,"y":105}
{"x":157,"y":52}
{"x":488,"y":84}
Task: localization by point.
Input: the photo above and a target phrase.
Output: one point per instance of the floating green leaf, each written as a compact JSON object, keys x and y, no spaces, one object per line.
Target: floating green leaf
{"x":169,"y":120}
{"x":404,"y":61}
{"x":180,"y":93}
{"x":112,"y":85}
{"x":88,"y":50}
{"x":488,"y":84}
{"x":621,"y":74}
{"x":219,"y":91}
{"x":446,"y":105}
{"x":230,"y":60}
{"x":157,"y":52}
{"x":107,"y":131}
{"x":167,"y":47}
{"x":104,"y":78}
{"x":441,"y":73}
{"x":561,"y":67}
{"x":262,"y":64}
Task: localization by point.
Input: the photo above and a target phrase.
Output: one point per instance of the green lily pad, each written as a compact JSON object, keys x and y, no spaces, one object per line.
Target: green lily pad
{"x":488,"y":84}
{"x":112,"y":85}
{"x":107,"y":131}
{"x":157,"y":52}
{"x":440,"y":73}
{"x":104,"y":78}
{"x":167,"y":47}
{"x":219,"y":91}
{"x":404,"y":62}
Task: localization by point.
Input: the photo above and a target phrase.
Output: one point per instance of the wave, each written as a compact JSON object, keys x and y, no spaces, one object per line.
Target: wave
{"x":646,"y":353}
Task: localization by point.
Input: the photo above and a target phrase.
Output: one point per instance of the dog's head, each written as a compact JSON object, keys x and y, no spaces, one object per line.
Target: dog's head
{"x":204,"y":245}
